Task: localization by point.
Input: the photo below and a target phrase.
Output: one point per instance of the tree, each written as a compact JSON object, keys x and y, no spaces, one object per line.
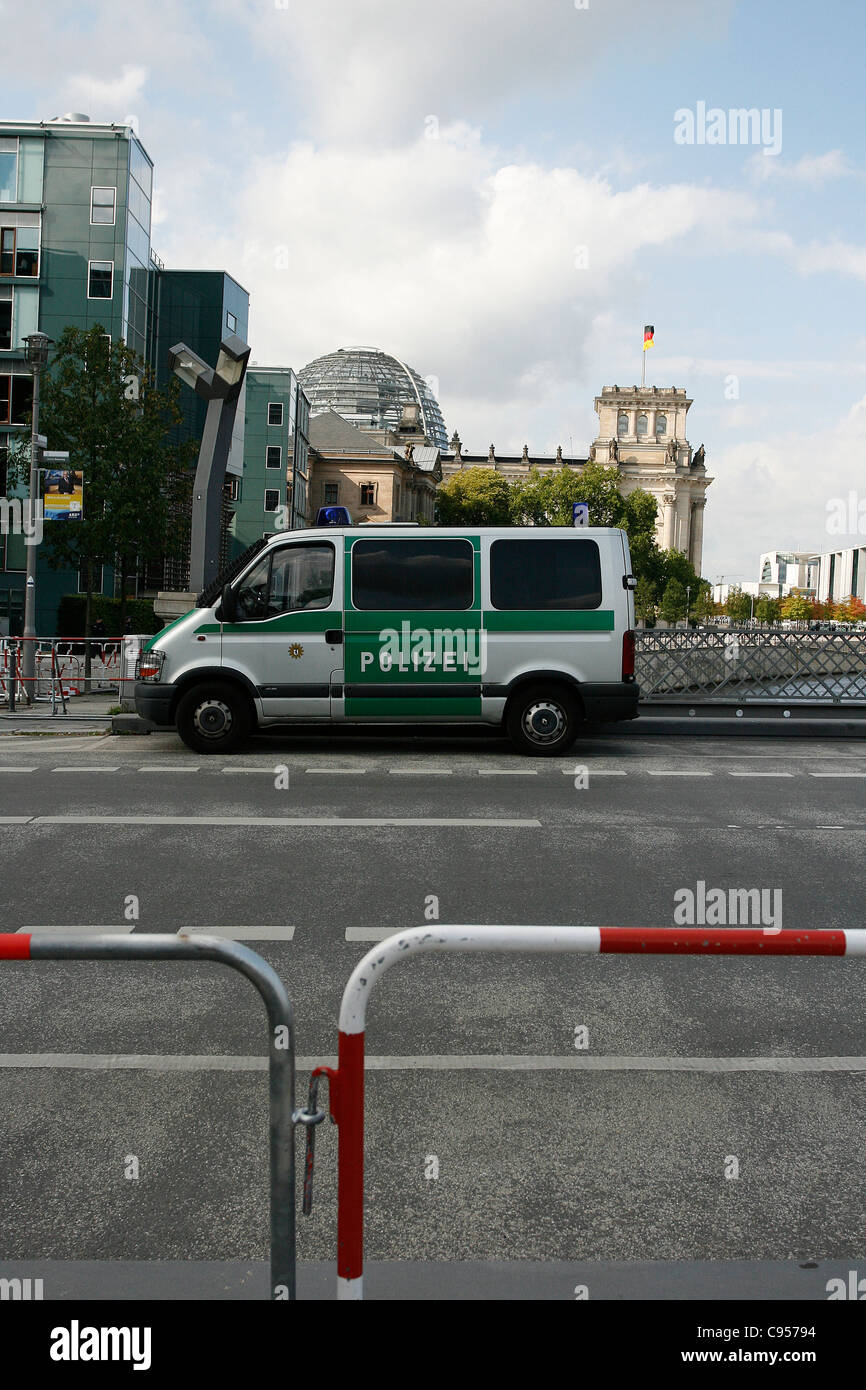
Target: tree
{"x":703,"y":607}
{"x":738,"y":605}
{"x":645,"y":600}
{"x":796,"y":607}
{"x":546,"y":499}
{"x":100,"y":402}
{"x":474,"y":497}
{"x":673,"y":604}
{"x":767,"y":609}
{"x":850,"y":610}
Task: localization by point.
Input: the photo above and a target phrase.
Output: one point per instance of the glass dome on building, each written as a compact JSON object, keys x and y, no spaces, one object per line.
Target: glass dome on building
{"x":369,"y":389}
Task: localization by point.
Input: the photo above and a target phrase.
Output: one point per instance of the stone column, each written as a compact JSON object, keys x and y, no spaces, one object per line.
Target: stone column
{"x":683,"y":508}
{"x":696,"y":544}
{"x":632,"y":423}
{"x":668,"y":514}
{"x":651,"y":424}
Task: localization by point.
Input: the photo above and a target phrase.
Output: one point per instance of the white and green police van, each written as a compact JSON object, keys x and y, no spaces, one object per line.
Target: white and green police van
{"x":526,"y":627}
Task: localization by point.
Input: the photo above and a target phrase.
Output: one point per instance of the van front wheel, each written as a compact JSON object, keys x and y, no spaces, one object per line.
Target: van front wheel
{"x":542,"y":721}
{"x":214,"y":718}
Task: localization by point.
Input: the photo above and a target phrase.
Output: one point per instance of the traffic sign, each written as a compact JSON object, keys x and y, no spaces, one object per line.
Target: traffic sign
{"x":580,"y":513}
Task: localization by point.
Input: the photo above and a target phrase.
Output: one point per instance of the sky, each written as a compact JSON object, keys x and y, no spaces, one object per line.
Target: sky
{"x":503,"y":194}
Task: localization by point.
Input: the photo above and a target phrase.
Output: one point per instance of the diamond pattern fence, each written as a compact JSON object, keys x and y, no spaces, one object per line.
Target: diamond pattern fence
{"x":747,"y":665}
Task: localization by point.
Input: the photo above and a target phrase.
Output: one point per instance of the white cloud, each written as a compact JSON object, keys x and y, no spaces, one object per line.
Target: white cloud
{"x":108,"y":99}
{"x":479,"y":272}
{"x":838,"y":256}
{"x":812,"y":170}
{"x":772,"y":491}
{"x":375,"y":70}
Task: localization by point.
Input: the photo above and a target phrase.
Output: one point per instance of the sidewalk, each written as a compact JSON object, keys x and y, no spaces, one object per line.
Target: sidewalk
{"x":85,"y":714}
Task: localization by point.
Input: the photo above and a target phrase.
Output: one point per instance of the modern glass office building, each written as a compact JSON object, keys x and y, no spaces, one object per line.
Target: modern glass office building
{"x":369,"y":388}
{"x":274,"y":489}
{"x":75,"y":226}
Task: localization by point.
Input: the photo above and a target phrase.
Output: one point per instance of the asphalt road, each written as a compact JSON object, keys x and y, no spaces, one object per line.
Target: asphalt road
{"x":556,"y":1165}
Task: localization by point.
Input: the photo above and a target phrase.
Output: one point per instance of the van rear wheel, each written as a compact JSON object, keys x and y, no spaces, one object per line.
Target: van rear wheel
{"x":542,"y":720}
{"x":214,"y":718}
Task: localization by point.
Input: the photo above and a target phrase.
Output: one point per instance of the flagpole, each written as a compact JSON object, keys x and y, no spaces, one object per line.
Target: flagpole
{"x":648,"y":331}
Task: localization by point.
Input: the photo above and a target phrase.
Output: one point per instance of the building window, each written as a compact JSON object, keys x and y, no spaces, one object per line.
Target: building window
{"x":275,"y":413}
{"x":661,"y":425}
{"x":272,"y":499}
{"x":368,"y":494}
{"x":5,"y":316}
{"x":103,"y":202}
{"x":100,"y":279}
{"x":622,"y":425}
{"x":8,"y":170}
{"x":642,"y":425}
{"x":16,"y":399}
{"x":274,"y":455}
{"x":19,"y":251}
{"x":330,"y":494}
{"x":231,"y":322}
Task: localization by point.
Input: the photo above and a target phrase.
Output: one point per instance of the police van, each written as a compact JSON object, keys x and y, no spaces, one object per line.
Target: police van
{"x":529,"y":628}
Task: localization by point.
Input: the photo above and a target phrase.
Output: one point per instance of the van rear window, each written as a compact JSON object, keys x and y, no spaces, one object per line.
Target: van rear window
{"x":545,"y":574}
{"x":416,"y":576}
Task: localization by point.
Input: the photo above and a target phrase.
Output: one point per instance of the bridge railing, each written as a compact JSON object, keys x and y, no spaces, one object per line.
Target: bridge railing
{"x":742,"y":663}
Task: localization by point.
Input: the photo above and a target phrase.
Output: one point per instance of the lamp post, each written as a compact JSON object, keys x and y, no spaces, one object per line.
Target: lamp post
{"x":36,"y":349}
{"x":221,"y":387}
{"x":688,"y":602}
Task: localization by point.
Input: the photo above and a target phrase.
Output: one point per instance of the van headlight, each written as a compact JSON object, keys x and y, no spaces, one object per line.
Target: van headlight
{"x":149,"y":666}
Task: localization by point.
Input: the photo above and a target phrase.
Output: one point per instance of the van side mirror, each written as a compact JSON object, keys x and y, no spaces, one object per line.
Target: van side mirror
{"x":228,"y":605}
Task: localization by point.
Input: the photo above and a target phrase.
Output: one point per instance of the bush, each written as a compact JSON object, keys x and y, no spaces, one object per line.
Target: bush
{"x":70,"y":615}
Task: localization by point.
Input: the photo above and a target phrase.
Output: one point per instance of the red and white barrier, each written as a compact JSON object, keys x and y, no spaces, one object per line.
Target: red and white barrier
{"x":346,"y":1084}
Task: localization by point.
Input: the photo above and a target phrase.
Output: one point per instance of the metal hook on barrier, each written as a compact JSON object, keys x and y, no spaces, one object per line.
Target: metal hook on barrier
{"x":311,"y":1117}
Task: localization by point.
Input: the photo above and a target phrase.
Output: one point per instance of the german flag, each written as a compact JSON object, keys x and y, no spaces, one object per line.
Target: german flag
{"x":648,"y":332}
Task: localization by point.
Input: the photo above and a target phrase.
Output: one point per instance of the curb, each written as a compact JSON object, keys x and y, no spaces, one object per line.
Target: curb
{"x":131,"y":724}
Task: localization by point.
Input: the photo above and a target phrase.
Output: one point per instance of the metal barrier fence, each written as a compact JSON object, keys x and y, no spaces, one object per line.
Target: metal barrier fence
{"x":751,"y":666}
{"x":346,"y":1082}
{"x":60,"y":669}
{"x":281,"y":1052}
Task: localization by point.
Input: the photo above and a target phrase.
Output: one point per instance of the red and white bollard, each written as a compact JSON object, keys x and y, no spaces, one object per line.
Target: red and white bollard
{"x":347,"y":1082}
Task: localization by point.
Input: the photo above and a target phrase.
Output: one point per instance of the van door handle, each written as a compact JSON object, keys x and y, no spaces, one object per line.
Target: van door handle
{"x":334,"y":637}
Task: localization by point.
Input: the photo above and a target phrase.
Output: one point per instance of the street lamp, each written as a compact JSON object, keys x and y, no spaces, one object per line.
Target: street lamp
{"x":36,"y":350}
{"x":688,"y":602}
{"x":221,"y":387}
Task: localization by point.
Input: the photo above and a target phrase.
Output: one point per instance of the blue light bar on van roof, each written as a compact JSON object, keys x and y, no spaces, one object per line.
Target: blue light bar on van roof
{"x":333,"y":516}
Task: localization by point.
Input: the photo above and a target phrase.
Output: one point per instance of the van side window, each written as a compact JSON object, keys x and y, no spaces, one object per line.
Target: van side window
{"x":415,"y":576}
{"x":545,"y":574}
{"x":289,"y":580}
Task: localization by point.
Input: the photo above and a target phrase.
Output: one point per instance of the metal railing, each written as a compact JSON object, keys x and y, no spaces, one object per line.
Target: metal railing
{"x":346,"y":1081}
{"x":60,"y":672}
{"x":281,"y":1052}
{"x":748,"y":665}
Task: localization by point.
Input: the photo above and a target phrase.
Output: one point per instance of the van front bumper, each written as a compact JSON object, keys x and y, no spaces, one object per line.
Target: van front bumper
{"x":153,"y":701}
{"x":607,"y":701}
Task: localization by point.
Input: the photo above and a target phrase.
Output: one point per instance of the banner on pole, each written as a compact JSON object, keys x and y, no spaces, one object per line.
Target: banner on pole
{"x":63,"y":497}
